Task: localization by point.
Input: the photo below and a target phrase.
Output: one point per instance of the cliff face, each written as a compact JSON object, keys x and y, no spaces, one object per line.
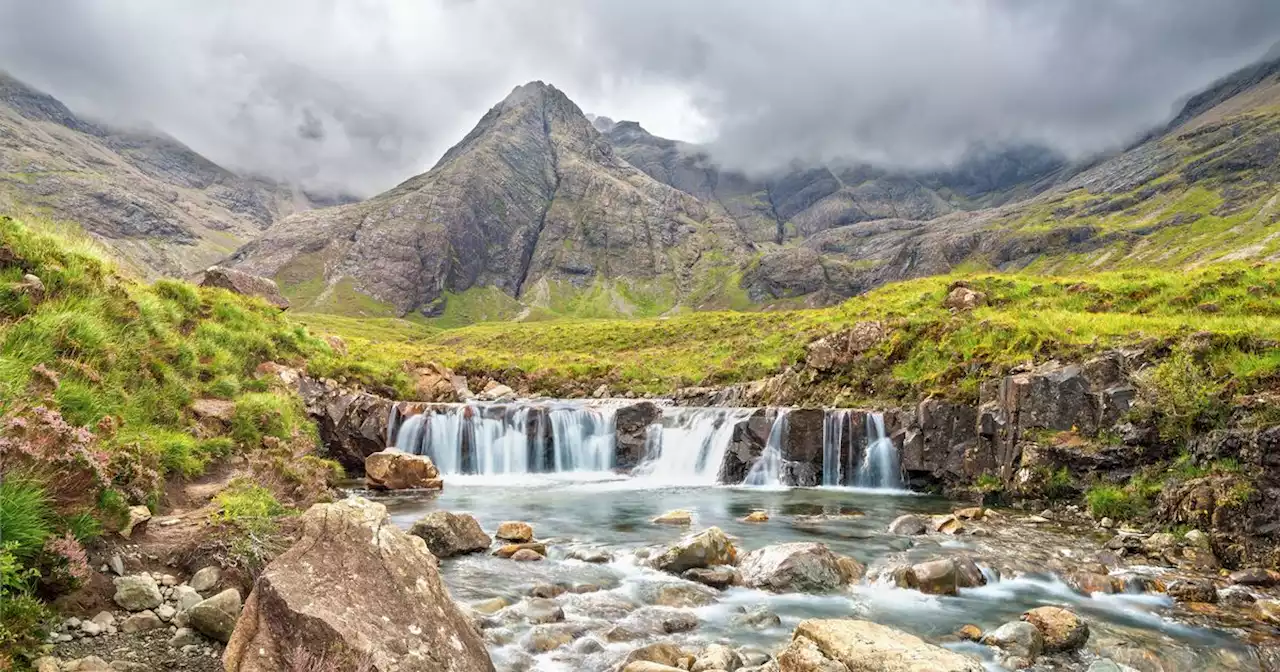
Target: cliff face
{"x":161,"y":206}
{"x":532,"y":199}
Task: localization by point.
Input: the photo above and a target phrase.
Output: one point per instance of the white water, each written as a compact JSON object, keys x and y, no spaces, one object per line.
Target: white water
{"x":880,"y":467}
{"x":767,"y":470}
{"x":689,"y":447}
{"x":583,"y":438}
{"x":834,"y":439}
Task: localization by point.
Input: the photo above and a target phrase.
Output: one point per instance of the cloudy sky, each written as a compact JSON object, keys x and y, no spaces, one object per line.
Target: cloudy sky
{"x":356,"y":95}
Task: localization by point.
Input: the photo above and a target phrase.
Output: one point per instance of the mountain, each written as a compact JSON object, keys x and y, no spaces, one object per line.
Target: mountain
{"x":533,"y":203}
{"x":163,"y":207}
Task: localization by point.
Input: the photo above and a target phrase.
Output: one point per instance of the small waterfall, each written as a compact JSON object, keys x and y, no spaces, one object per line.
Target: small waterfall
{"x":880,"y":467}
{"x":689,"y":446}
{"x":768,"y":469}
{"x":582,"y":438}
{"x":500,"y":440}
{"x":834,"y":440}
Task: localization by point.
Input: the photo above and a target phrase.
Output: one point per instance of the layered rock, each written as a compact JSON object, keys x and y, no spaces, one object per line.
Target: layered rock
{"x":393,"y":614}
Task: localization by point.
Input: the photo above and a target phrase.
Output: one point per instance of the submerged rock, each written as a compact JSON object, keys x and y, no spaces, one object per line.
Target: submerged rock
{"x":804,"y":567}
{"x":510,"y":550}
{"x":719,"y":578}
{"x":1062,"y":629}
{"x":448,"y":534}
{"x":1187,"y":590}
{"x":936,"y":577}
{"x":394,"y":612}
{"x":756,"y":517}
{"x":909,"y":524}
{"x":705,"y":549}
{"x":393,"y":470}
{"x":676,"y":517}
{"x":863,"y":646}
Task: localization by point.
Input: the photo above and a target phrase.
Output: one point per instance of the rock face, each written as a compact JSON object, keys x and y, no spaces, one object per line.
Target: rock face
{"x":244,"y":283}
{"x":631,"y":427}
{"x":705,"y":549}
{"x":802,"y":567}
{"x":394,"y":613}
{"x":353,"y":425}
{"x":448,"y":534}
{"x":863,"y":646}
{"x":393,"y":470}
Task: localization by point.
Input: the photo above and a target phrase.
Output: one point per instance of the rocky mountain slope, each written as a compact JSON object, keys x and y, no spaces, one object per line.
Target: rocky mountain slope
{"x":534,"y":202}
{"x":161,"y":206}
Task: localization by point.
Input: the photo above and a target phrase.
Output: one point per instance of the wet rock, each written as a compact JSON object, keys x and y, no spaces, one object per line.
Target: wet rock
{"x":541,"y":610}
{"x":1062,"y":629}
{"x":968,"y":574}
{"x":448,"y":534}
{"x":1188,"y":590}
{"x":1268,"y":611}
{"x":909,"y":524}
{"x":587,"y":646}
{"x":593,"y":556}
{"x":1255,"y":577}
{"x":662,"y":653}
{"x":245,"y":284}
{"x":676,"y":517}
{"x":490,"y":606}
{"x":1093,"y":582}
{"x":216,"y":617}
{"x":394,"y":610}
{"x":947,"y":525}
{"x":548,"y":590}
{"x":705,"y":549}
{"x":683,"y":595}
{"x":1236,"y":596}
{"x":804,"y":567}
{"x":719,"y":578}
{"x":645,"y":666}
{"x":509,"y":550}
{"x":756,"y":517}
{"x":546,"y":637}
{"x":135,"y":521}
{"x":936,"y":577}
{"x":758,"y":618}
{"x":863,"y":646}
{"x":205,"y":579}
{"x":631,"y":429}
{"x":972,"y":633}
{"x":137,"y":592}
{"x":514,"y":531}
{"x":620,"y":633}
{"x":393,"y":470}
{"x":677,"y":622}
{"x":1019,"y":639}
{"x":352,"y":424}
{"x":716,"y":657}
{"x":527,"y":555}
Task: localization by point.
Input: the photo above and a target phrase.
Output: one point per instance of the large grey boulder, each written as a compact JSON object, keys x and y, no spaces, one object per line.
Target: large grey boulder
{"x":137,"y":592}
{"x":448,"y":534}
{"x":216,"y":617}
{"x":800,"y":567}
{"x":358,"y":589}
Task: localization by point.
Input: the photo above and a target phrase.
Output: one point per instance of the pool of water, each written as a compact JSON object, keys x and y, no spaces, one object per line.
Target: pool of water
{"x":605,"y":513}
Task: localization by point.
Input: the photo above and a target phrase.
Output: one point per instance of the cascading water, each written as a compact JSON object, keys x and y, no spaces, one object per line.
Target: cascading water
{"x":688,"y":447}
{"x":768,"y":469}
{"x":500,"y":440}
{"x":583,"y":438}
{"x":834,"y":440}
{"x":880,"y":467}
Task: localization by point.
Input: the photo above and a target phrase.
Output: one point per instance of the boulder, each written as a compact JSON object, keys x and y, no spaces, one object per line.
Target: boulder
{"x":245,"y":284}
{"x":676,"y":517}
{"x":527,"y":555}
{"x":936,"y":577}
{"x":631,"y":432}
{"x":135,"y":521}
{"x":968,"y":574}
{"x":963,"y":298}
{"x":393,"y":470}
{"x":716,"y":657}
{"x":1189,"y":590}
{"x":799,"y":567}
{"x":216,"y":617}
{"x":514,"y":531}
{"x":357,"y":587}
{"x":662,"y":653}
{"x":1255,"y":577}
{"x":756,"y":517}
{"x":850,"y":570}
{"x":205,"y":579}
{"x":909,"y":525}
{"x":646,"y":666}
{"x":863,"y":646}
{"x":352,"y":424}
{"x":509,"y":550}
{"x":719,"y":578}
{"x":839,"y":349}
{"x":1062,"y":629}
{"x":495,"y":391}
{"x":186,"y":597}
{"x":448,"y":534}
{"x":1018,"y":638}
{"x":137,"y":592}
{"x":705,"y":549}
{"x":141,"y":622}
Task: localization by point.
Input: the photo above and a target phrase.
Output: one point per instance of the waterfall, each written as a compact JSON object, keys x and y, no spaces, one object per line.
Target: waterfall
{"x":582,"y":438}
{"x":834,"y":439}
{"x":880,"y":467}
{"x":500,"y":440}
{"x":768,"y":469}
{"x":689,"y":446}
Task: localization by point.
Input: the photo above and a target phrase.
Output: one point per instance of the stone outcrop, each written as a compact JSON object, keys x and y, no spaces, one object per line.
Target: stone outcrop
{"x":631,"y":428}
{"x":448,"y":534}
{"x":863,"y":646}
{"x":393,"y":614}
{"x":836,"y":351}
{"x":244,"y":283}
{"x":353,"y":425}
{"x":393,"y":470}
{"x":800,"y":567}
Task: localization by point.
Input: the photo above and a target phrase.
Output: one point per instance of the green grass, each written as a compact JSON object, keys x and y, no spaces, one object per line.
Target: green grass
{"x":27,"y":517}
{"x":1109,"y":501}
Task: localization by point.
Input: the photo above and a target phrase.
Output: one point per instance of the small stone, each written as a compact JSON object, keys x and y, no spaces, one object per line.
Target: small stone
{"x":135,"y":521}
{"x":71,"y":623}
{"x":184,"y":637}
{"x":676,"y":517}
{"x":166,"y":612}
{"x":758,"y":618}
{"x":105,"y":618}
{"x":141,"y":622}
{"x":548,"y":590}
{"x":1047,"y":513}
{"x":526,"y":555}
{"x":1106,"y":523}
{"x":168,"y":580}
{"x":1062,"y":629}
{"x":756,"y":517}
{"x":1018,"y":638}
{"x":540,"y":610}
{"x":719,"y":578}
{"x":515,"y":531}
{"x":205,"y":579}
{"x":511,"y":549}
{"x":593,"y":556}
{"x":1196,"y":538}
{"x":46,"y":664}
{"x":185,"y":597}
{"x":137,"y":592}
{"x":681,"y":621}
{"x":87,"y":664}
{"x":90,"y":628}
{"x":116,"y":563}
{"x":129,"y":666}
{"x":969,"y":632}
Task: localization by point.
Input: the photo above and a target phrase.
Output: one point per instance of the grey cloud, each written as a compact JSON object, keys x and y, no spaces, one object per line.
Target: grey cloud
{"x":356,"y":95}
